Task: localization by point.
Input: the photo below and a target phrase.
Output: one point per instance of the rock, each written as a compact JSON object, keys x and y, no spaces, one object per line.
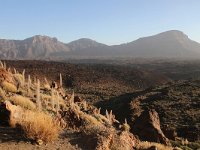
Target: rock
{"x":115,"y":140}
{"x":147,"y":128}
{"x":15,"y":113}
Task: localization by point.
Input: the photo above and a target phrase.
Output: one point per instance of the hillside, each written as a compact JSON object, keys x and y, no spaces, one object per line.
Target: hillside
{"x":40,"y":115}
{"x":169,"y":44}
{"x":177,"y":105}
{"x":93,"y":81}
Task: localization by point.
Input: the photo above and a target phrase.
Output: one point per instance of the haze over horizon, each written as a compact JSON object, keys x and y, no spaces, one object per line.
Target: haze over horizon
{"x":110,"y":22}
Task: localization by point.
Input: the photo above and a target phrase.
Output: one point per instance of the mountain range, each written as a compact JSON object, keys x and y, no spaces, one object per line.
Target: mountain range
{"x":169,"y":44}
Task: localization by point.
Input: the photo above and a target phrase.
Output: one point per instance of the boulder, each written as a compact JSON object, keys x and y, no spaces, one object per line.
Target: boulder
{"x":10,"y":114}
{"x":147,"y":128}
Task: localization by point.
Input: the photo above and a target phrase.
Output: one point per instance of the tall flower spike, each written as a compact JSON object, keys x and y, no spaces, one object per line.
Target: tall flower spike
{"x":107,"y":115}
{"x":99,"y":110}
{"x":61,"y":80}
{"x":23,"y":78}
{"x":29,"y":84}
{"x":84,"y":105}
{"x":38,"y":102}
{"x":4,"y":65}
{"x":71,"y":100}
{"x":58,"y":103}
{"x":52,"y":98}
{"x":15,"y":71}
{"x":1,"y":64}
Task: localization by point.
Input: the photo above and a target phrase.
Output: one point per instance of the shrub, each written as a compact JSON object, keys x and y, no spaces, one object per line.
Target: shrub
{"x":39,"y":126}
{"x":23,"y":102}
{"x":2,"y":94}
{"x":9,"y":87}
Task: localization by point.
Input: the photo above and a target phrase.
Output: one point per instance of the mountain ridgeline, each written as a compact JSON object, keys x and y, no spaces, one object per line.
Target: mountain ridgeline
{"x":169,"y":44}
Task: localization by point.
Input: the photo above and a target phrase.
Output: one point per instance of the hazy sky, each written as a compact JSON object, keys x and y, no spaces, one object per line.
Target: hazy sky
{"x":106,"y":21}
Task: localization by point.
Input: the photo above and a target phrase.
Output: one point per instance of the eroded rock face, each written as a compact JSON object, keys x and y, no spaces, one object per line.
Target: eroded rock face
{"x":147,"y":127}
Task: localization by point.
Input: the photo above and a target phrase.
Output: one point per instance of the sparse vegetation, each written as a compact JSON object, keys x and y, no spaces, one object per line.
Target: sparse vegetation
{"x":44,"y":109}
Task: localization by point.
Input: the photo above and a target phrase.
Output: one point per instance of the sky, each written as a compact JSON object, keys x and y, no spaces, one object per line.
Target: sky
{"x":106,"y":21}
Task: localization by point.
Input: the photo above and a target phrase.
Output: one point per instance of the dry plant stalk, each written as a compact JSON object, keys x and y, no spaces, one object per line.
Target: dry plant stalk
{"x":52,"y":98}
{"x":38,"y":100}
{"x":84,"y":105}
{"x":61,"y":83}
{"x":29,"y":84}
{"x":4,"y":65}
{"x":15,"y":71}
{"x":71,"y":100}
{"x":58,"y":103}
{"x":23,"y":78}
{"x":1,"y":64}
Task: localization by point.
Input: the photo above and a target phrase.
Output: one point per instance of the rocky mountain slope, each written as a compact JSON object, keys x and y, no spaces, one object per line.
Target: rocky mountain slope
{"x":169,"y":44}
{"x":176,"y":103}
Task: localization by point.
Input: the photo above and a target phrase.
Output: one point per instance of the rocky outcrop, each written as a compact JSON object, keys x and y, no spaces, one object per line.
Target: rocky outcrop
{"x":147,"y":128}
{"x":15,"y":113}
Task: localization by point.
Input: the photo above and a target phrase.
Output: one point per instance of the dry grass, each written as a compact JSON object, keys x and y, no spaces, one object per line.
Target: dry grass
{"x":9,"y":87}
{"x":39,"y":126}
{"x":146,"y":145}
{"x":23,"y":102}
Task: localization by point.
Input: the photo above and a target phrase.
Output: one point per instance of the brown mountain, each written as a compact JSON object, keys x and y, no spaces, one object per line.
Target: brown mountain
{"x":36,"y":47}
{"x":170,"y":44}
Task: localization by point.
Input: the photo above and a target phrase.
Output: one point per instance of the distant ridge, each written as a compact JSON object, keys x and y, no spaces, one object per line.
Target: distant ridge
{"x":169,"y":44}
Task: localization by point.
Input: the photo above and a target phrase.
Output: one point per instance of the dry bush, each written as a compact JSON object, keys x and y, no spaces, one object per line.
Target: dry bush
{"x":39,"y":126}
{"x":23,"y":102}
{"x":2,"y":94}
{"x":9,"y":87}
{"x":147,"y":145}
{"x":88,"y":120}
